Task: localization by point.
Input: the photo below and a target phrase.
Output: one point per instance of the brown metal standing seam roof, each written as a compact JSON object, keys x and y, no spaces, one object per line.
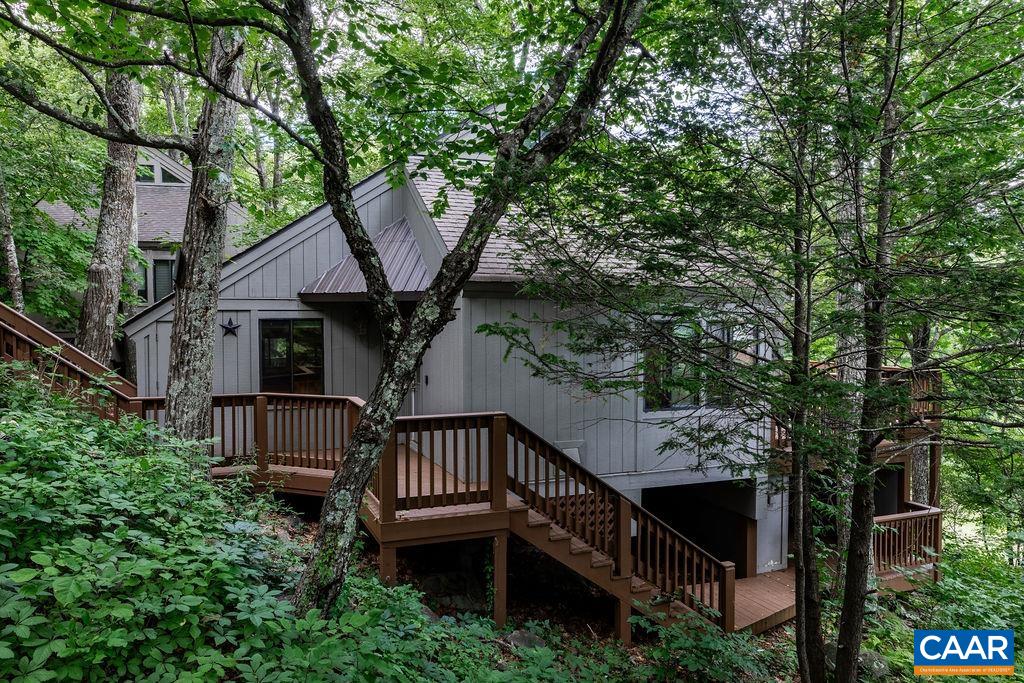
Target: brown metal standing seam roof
{"x":399,"y":254}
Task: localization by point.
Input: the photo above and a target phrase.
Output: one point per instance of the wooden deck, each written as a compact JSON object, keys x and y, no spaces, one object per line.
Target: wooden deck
{"x":765,"y":600}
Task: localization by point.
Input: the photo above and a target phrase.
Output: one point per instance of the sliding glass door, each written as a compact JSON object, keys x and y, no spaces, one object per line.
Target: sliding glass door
{"x":292,"y":356}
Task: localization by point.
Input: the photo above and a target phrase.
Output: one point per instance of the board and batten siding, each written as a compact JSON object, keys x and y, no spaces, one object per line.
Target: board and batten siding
{"x":614,"y":436}
{"x":602,"y":429}
{"x":263,"y":284}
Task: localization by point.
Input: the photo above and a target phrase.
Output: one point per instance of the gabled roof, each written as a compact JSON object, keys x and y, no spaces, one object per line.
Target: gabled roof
{"x":497,"y":264}
{"x":340,"y":282}
{"x":399,"y":254}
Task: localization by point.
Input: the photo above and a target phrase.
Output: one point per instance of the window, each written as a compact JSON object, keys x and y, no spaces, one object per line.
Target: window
{"x":143,"y":273}
{"x":168,"y":177}
{"x":292,"y":356}
{"x":145,"y":173}
{"x":697,"y":372}
{"x":669,"y":381}
{"x":163,"y":277}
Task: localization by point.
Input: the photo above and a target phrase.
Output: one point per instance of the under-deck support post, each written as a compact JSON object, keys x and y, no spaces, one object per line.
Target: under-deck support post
{"x":388,"y":479}
{"x":387,"y":564}
{"x":498,"y":474}
{"x":500,"y":578}
{"x":727,"y":597}
{"x":623,"y":630}
{"x":260,"y":427}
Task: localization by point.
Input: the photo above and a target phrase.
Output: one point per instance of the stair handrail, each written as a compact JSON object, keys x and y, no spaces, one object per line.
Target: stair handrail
{"x":44,"y":340}
{"x":623,"y":505}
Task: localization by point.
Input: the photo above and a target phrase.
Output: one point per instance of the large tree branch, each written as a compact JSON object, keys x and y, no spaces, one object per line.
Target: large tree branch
{"x":337,"y":179}
{"x":508,"y":175}
{"x":201,"y":19}
{"x":26,"y":95}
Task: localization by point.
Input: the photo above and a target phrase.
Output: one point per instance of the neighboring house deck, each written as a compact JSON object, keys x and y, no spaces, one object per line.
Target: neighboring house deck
{"x":485,"y":475}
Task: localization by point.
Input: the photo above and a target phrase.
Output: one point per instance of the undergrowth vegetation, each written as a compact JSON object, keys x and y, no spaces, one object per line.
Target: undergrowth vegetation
{"x":979,"y":590}
{"x":120,"y":560}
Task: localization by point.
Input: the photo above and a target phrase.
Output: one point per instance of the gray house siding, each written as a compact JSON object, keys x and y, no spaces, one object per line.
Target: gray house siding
{"x":262,"y":285}
{"x":602,"y":430}
{"x":462,"y":371}
{"x":614,"y":435}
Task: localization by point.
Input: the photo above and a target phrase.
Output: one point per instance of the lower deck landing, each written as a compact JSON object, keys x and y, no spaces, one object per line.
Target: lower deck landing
{"x":765,"y":600}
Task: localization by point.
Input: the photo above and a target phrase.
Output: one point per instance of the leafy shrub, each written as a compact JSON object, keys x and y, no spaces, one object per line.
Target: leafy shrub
{"x":692,"y":649}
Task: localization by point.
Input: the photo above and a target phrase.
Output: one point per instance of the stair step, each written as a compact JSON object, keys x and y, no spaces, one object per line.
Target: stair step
{"x":535,"y":519}
{"x":639,"y":586}
{"x":600,"y":562}
{"x":557,"y":534}
{"x":578,"y":547}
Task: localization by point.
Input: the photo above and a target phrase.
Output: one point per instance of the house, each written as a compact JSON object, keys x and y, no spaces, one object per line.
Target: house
{"x":162,"y":187}
{"x":294,"y":322}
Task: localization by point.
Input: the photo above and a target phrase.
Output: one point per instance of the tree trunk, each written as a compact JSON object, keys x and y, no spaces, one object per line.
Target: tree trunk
{"x":98,"y":320}
{"x":850,"y":364}
{"x":197,"y":281}
{"x":12,"y":270}
{"x":875,"y":407}
{"x":405,"y":339}
{"x":809,"y":641}
{"x":920,"y":476}
{"x":177,"y":115}
{"x":325,"y":575}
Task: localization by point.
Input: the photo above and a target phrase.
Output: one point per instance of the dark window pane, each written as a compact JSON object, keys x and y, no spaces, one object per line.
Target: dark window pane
{"x":275,"y":359}
{"x":168,"y":177}
{"x":163,"y":278}
{"x":144,"y":173}
{"x":308,"y":356}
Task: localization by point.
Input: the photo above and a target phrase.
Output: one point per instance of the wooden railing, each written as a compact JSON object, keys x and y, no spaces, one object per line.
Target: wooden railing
{"x":62,"y":366}
{"x":482,"y":457}
{"x":924,"y":390}
{"x":290,"y":430}
{"x":908,"y":539}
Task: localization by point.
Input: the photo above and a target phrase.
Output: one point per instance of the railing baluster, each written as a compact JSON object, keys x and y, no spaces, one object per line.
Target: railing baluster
{"x":408,"y":458}
{"x":444,"y":462}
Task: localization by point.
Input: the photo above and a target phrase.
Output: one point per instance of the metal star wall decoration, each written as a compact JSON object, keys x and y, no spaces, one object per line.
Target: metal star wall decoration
{"x":230,"y":327}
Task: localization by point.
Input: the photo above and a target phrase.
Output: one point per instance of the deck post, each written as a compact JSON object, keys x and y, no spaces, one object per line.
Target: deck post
{"x":936,"y":571}
{"x":388,"y":479}
{"x":136,"y":407}
{"x":259,"y":413}
{"x":353,"y":417}
{"x":501,"y":578}
{"x":387,"y":564}
{"x":623,"y":537}
{"x":499,"y":462}
{"x":623,"y":630}
{"x":727,"y":597}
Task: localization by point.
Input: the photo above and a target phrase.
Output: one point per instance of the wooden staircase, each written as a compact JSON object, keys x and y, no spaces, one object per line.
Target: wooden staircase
{"x":595,"y":566}
{"x":453,"y":477}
